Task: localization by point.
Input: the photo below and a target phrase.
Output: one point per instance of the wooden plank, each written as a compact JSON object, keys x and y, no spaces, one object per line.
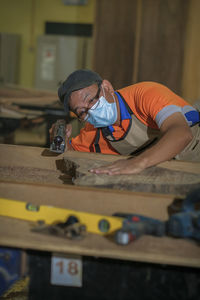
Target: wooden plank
{"x":92,"y":200}
{"x":191,"y":65}
{"x":37,"y":157}
{"x":9,"y":91}
{"x":39,"y":165}
{"x":133,"y":46}
{"x":25,"y":156}
{"x":162,"y":47}
{"x":115,"y":40}
{"x":147,"y":249}
{"x":174,"y":165}
{"x":169,"y":177}
{"x":31,"y":164}
{"x":12,"y":96}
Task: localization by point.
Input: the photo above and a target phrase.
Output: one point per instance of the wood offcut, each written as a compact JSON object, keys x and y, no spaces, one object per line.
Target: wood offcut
{"x":173,"y":177}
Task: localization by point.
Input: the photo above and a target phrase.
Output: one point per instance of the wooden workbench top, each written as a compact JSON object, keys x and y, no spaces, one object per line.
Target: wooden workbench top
{"x":31,"y":164}
{"x":165,"y":250}
{"x":175,"y":177}
{"x":29,"y":174}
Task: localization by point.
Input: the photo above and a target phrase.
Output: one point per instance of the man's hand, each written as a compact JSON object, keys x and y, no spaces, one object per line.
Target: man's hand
{"x":68,"y":134}
{"x":51,"y":130}
{"x":121,"y":166}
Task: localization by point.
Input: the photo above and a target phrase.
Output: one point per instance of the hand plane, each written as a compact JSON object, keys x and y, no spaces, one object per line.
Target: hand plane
{"x":59,"y":137}
{"x":71,"y":228}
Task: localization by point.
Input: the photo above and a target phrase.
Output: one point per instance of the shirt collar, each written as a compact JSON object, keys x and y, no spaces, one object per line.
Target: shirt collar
{"x":123,"y":111}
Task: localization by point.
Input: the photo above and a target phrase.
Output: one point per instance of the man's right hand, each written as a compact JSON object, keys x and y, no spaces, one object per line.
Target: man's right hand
{"x":68,"y":134}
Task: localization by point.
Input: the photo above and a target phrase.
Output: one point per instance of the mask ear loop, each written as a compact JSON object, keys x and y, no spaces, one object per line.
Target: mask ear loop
{"x":114,"y":99}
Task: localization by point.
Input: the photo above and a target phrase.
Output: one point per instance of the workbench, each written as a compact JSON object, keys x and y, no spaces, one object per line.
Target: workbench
{"x":20,"y":101}
{"x":32,"y":174}
{"x":19,"y":106}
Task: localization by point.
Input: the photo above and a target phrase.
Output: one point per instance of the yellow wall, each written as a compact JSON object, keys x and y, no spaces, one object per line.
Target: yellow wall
{"x":28,"y":17}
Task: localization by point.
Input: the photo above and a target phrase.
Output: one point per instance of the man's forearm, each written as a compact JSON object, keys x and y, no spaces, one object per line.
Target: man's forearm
{"x":171,"y":143}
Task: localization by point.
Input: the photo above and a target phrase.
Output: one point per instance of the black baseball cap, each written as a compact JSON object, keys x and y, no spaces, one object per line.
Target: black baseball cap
{"x":77,"y":80}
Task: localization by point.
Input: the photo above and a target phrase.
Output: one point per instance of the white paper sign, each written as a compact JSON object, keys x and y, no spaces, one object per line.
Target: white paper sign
{"x":66,"y":271}
{"x":48,"y":62}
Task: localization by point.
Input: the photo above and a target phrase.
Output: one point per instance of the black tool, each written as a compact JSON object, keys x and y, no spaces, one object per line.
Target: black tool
{"x":58,"y":144}
{"x":186,"y":223}
{"x":183,"y":224}
{"x":135,"y":225}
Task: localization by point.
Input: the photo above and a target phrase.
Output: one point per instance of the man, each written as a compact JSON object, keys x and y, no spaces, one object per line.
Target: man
{"x":146,"y":120}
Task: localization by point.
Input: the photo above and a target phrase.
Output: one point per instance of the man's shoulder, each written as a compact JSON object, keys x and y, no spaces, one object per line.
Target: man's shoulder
{"x":140,"y":85}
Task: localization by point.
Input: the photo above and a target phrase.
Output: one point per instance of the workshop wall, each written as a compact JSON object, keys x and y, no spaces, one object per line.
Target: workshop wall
{"x":191,"y":67}
{"x":156,"y":40}
{"x":28,"y":17}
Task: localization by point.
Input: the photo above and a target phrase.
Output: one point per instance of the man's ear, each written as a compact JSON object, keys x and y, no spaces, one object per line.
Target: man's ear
{"x":108,"y":86}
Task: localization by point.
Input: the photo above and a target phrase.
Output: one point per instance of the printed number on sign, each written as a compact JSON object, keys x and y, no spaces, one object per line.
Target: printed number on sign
{"x":66,"y":271}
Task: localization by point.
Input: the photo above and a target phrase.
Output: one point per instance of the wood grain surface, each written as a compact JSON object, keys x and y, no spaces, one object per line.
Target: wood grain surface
{"x":32,"y":174}
{"x":175,"y":177}
{"x":166,"y":250}
{"x":32,"y":164}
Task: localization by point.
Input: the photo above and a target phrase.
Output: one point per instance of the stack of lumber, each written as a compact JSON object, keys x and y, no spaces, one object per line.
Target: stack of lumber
{"x":13,"y":96}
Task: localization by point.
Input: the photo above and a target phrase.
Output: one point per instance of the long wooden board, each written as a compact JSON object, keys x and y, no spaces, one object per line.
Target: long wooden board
{"x":166,"y":250}
{"x":19,"y":95}
{"x":31,"y":164}
{"x":39,"y":165}
{"x":175,"y":177}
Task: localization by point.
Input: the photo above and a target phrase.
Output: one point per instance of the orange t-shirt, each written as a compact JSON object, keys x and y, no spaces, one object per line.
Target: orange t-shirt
{"x":145,"y":99}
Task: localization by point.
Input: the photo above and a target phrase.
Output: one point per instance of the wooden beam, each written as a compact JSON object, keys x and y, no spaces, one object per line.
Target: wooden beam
{"x":170,"y":177}
{"x":174,"y":165}
{"x":92,"y":200}
{"x":147,"y":249}
{"x":39,"y":165}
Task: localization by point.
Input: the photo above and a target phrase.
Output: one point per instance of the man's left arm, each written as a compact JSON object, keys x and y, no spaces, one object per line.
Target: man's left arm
{"x":175,"y":136}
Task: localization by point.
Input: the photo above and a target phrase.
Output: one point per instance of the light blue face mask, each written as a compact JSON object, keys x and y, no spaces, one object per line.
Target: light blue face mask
{"x":103,"y":113}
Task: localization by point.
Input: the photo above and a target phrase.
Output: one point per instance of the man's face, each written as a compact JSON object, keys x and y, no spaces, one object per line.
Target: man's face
{"x":82,"y":100}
